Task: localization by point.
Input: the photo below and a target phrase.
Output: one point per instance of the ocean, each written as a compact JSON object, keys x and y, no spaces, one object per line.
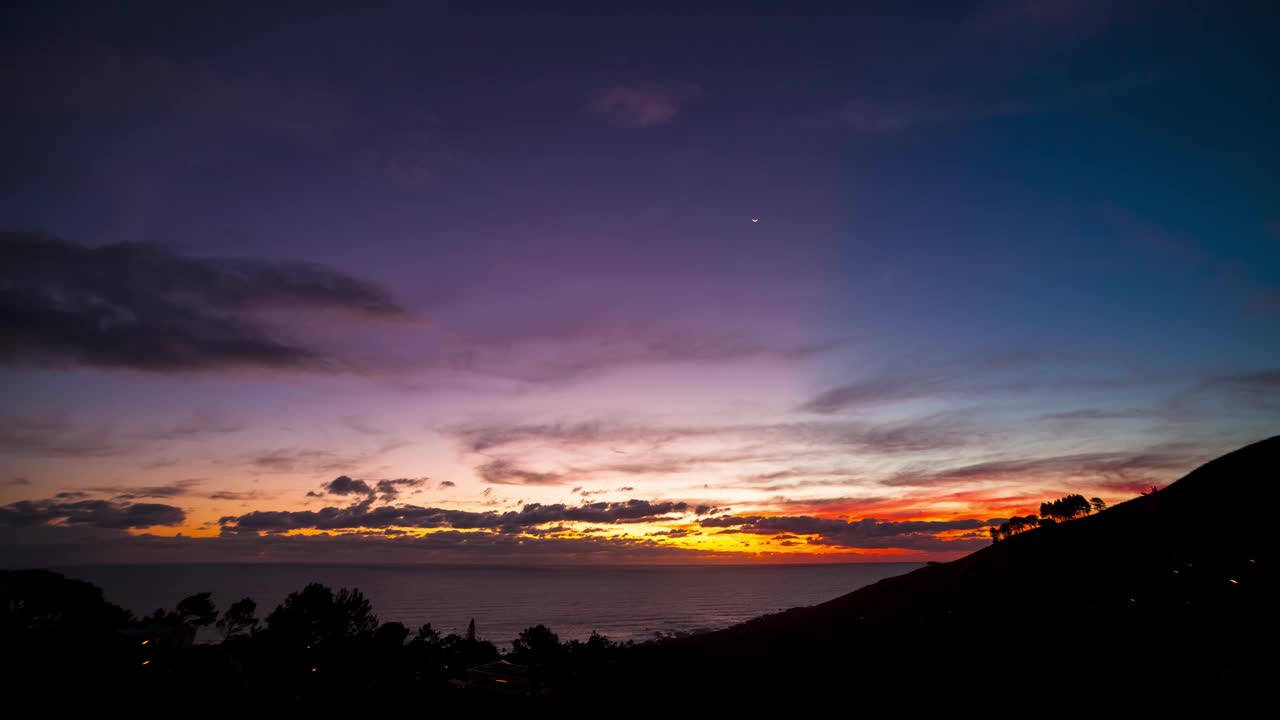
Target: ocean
{"x":623,"y":603}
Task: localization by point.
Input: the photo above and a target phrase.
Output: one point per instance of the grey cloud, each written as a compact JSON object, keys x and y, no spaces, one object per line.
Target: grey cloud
{"x":343,"y":485}
{"x":143,"y":307}
{"x":90,"y":513}
{"x":447,"y":484}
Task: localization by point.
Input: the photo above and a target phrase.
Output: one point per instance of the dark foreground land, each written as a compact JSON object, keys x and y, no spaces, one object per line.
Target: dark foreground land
{"x":1170,"y":597}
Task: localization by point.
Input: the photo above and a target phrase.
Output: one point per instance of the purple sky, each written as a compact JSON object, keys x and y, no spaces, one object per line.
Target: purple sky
{"x":660,"y":284}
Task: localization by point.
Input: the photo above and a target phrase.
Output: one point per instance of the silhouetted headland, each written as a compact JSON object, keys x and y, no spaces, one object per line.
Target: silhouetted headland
{"x":1171,"y":594}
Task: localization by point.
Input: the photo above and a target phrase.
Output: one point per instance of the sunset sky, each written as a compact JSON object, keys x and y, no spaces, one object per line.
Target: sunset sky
{"x":686,"y":282}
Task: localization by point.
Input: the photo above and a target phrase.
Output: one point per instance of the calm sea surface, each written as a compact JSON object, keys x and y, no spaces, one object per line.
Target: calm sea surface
{"x":624,"y":603}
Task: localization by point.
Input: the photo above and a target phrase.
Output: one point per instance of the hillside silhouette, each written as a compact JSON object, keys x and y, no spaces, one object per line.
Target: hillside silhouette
{"x":1173,"y":591}
{"x":1170,"y":596}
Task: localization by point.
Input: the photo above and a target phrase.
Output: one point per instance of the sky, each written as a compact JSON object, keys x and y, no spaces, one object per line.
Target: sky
{"x":602,"y":283}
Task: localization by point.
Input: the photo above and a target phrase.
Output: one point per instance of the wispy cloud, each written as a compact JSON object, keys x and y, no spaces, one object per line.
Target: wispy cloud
{"x":643,"y":105}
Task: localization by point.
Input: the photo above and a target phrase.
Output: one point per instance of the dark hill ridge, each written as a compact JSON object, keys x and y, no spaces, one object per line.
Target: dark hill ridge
{"x":1175,"y":589}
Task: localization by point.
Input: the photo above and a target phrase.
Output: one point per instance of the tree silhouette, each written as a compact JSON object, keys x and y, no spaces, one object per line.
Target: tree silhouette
{"x":197,"y":610}
{"x":1013,"y":526}
{"x":239,"y":619}
{"x":536,"y":645}
{"x":471,"y":631}
{"x":1066,"y":508}
{"x":316,"y":614}
{"x":390,"y":634}
{"x":1098,"y":504}
{"x":427,"y":636}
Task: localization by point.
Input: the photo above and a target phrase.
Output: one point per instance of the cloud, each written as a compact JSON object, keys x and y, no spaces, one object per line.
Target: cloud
{"x":18,"y":481}
{"x":233,"y":495}
{"x":505,"y":472}
{"x":446,"y":484}
{"x":343,"y":485}
{"x":866,"y":533}
{"x":90,"y":513}
{"x":643,"y":105}
{"x":389,"y":489}
{"x":129,"y":492}
{"x":364,"y":515}
{"x":142,"y":307}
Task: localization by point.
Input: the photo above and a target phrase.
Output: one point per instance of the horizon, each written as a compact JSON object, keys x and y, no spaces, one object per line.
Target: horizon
{"x":652,"y":287}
